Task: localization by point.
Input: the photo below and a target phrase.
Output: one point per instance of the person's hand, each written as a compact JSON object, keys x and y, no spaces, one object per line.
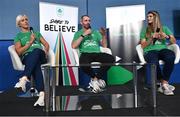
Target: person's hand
{"x":163,"y":35}
{"x":156,"y":35}
{"x":102,"y":31}
{"x":32,"y":38}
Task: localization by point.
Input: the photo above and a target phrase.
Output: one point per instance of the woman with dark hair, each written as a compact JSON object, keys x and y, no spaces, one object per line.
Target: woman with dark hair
{"x":153,"y":41}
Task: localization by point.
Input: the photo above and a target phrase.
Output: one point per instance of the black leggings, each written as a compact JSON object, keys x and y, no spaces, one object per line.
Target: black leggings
{"x":87,"y":58}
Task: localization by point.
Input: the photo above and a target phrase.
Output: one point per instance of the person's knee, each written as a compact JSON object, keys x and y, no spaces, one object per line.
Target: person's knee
{"x":170,"y":59}
{"x":110,"y":59}
{"x":152,"y":60}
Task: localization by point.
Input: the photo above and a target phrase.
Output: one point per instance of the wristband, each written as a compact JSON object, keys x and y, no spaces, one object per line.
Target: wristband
{"x":82,"y":36}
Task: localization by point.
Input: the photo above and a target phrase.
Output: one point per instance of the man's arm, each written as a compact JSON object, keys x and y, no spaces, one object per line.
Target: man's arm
{"x":77,"y":42}
{"x":104,"y":39}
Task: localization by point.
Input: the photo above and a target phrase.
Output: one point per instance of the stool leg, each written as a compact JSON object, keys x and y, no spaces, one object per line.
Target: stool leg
{"x":32,"y":89}
{"x":153,"y":83}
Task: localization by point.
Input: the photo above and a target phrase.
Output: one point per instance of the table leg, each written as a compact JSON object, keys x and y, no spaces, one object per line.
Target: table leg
{"x":47,"y":88}
{"x":153,"y":83}
{"x":135,"y":86}
{"x":54,"y":88}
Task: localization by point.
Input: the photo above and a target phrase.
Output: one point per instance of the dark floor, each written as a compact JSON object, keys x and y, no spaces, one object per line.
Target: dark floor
{"x":10,"y":104}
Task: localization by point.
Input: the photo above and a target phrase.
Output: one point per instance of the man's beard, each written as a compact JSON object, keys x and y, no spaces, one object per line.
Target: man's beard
{"x":87,"y":26}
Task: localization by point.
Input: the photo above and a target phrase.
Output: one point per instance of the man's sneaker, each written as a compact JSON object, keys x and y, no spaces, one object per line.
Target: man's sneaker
{"x":94,"y":86}
{"x":102,"y":83}
{"x":165,"y":90}
{"x":22,"y":83}
{"x":40,"y":101}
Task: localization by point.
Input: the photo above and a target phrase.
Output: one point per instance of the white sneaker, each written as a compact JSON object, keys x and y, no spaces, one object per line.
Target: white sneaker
{"x":94,"y":84}
{"x":171,"y":87}
{"x":102,"y":83}
{"x":165,"y":89}
{"x":22,"y":83}
{"x":40,"y":101}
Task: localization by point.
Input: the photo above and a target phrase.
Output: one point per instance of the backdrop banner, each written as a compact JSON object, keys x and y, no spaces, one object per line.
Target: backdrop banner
{"x":58,"y":23}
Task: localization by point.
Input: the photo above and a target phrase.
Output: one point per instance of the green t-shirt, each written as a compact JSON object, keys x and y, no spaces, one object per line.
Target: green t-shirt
{"x":159,"y":45}
{"x":90,"y":43}
{"x":24,"y":37}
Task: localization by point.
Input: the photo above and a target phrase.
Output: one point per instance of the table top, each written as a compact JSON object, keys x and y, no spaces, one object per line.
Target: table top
{"x":104,"y":64}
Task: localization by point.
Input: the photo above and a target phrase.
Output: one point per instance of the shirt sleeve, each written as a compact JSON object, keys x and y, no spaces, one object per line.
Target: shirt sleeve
{"x":16,"y":38}
{"x":167,"y":30}
{"x":143,"y":34}
{"x":76,"y":36}
{"x":38,"y":35}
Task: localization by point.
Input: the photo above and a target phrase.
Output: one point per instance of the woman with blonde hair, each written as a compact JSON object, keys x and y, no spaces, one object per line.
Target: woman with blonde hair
{"x":154,"y":43}
{"x":28,"y":45}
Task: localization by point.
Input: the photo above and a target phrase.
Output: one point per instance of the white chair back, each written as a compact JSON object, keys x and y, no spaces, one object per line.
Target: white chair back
{"x":17,"y":63}
{"x":173,"y":47}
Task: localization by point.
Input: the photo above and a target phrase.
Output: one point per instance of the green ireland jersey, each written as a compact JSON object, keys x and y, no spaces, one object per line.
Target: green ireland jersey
{"x":24,"y":38}
{"x":159,"y":44}
{"x":90,"y":43}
